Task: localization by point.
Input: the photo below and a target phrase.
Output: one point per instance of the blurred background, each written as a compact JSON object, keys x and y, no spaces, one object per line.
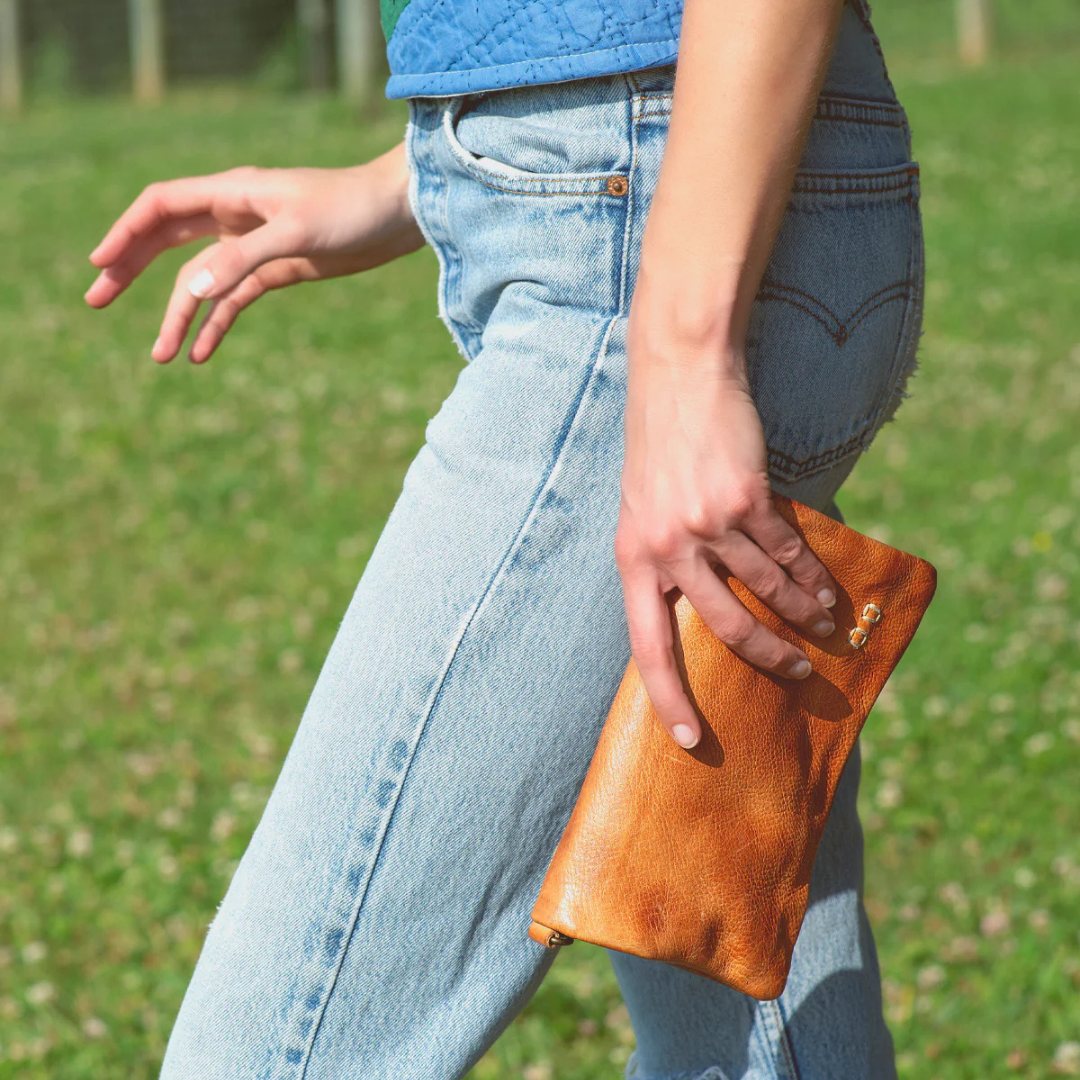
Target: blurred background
{"x":178,"y":544}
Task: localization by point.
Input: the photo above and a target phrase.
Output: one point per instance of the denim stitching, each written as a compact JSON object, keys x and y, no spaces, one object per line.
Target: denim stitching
{"x":635,"y":142}
{"x":868,"y":182}
{"x":829,"y":108}
{"x":449,"y":255}
{"x":344,"y":939}
{"x":785,"y":1041}
{"x":797,"y":190}
{"x":779,"y":1052}
{"x":905,"y":363}
{"x":525,"y":184}
{"x":843,"y":327}
{"x":791,"y":468}
{"x":862,"y":12}
{"x":772,"y":1040}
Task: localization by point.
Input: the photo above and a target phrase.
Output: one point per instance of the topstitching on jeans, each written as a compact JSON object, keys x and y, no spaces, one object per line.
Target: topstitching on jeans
{"x":390,"y":797}
{"x":523,"y":183}
{"x":445,"y":269}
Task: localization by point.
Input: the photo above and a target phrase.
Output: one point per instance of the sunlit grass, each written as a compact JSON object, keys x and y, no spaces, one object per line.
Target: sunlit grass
{"x":177,"y":546}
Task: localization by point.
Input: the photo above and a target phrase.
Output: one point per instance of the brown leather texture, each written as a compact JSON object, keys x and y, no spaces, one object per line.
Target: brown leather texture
{"x":701,"y":858}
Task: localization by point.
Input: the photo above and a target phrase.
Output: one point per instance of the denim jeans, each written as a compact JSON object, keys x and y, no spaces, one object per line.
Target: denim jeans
{"x":376,"y":928}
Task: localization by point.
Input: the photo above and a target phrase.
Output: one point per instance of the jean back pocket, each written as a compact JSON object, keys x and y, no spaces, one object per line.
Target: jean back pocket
{"x":835,"y":324}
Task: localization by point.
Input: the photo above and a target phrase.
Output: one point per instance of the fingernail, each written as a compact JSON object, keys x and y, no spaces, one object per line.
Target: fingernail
{"x":201,"y":285}
{"x":826,"y":598}
{"x":684,"y":735}
{"x":799,"y":670}
{"x":824,"y":628}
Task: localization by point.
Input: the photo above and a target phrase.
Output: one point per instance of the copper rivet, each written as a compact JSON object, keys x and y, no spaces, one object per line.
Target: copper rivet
{"x":617,"y":185}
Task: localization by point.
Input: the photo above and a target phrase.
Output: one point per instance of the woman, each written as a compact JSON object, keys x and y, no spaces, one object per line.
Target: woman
{"x":670,"y":297}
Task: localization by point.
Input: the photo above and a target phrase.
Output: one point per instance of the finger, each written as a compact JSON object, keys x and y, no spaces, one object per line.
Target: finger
{"x":652,"y":642}
{"x":114,"y":279}
{"x":158,"y":204}
{"x":234,"y":260}
{"x":180,"y":311}
{"x":787,"y":548}
{"x":736,"y":627}
{"x":224,"y":311}
{"x":221,"y":316}
{"x":768,"y":582}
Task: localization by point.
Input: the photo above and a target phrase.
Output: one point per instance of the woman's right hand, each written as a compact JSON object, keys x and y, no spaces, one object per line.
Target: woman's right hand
{"x":274,"y":227}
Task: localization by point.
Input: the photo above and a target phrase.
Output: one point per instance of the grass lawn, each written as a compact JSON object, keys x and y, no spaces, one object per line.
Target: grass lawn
{"x":178,"y":544}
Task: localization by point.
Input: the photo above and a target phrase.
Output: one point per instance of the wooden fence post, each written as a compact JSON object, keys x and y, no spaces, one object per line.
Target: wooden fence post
{"x":973,"y":31}
{"x":10,"y":58}
{"x":147,"y":33}
{"x":359,"y":43}
{"x":314,"y":19}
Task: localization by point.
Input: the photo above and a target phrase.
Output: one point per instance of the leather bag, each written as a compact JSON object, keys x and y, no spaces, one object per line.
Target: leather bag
{"x":701,"y":858}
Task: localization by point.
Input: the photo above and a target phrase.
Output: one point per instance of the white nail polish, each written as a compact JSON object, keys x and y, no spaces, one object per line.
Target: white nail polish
{"x":684,"y":735}
{"x":201,"y":284}
{"x":799,"y":670}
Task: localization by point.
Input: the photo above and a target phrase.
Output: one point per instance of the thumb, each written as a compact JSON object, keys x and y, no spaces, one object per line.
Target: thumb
{"x":236,"y":259}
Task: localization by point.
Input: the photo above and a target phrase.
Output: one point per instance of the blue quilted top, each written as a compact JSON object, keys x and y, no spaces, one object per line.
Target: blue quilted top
{"x":442,"y":47}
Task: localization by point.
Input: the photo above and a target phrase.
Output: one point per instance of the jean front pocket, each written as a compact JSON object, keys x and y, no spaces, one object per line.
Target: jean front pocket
{"x":563,"y":139}
{"x":835,"y":325}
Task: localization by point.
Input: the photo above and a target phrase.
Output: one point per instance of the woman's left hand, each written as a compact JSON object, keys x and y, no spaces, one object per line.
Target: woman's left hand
{"x":696,"y":495}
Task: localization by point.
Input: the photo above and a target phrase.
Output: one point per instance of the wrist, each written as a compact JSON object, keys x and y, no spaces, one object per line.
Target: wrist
{"x":394,"y":167}
{"x":678,"y":319}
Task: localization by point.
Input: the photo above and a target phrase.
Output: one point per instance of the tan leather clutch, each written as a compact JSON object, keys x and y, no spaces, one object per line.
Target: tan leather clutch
{"x":701,"y":858}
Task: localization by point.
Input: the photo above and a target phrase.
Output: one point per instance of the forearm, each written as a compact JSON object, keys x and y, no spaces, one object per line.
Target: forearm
{"x":747,"y":82}
{"x":394,"y":166}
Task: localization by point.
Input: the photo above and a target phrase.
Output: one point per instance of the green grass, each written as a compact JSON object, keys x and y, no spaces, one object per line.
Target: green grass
{"x":177,"y":545}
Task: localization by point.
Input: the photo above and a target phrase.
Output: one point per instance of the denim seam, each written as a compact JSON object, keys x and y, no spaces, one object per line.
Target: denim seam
{"x":785,"y":1041}
{"x":633,"y":122}
{"x":414,"y":203}
{"x":903,"y":365}
{"x":507,"y":559}
{"x":535,"y":503}
{"x":829,"y":107}
{"x":525,"y":184}
{"x":457,"y":267}
{"x":864,"y":15}
{"x":780,"y":1061}
{"x":842,"y":333}
{"x":857,"y":181}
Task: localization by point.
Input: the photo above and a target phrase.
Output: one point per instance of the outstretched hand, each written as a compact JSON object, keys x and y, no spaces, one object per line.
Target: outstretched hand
{"x":273,"y":228}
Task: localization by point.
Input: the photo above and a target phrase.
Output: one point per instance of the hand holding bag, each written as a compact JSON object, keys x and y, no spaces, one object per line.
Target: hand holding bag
{"x":701,"y":858}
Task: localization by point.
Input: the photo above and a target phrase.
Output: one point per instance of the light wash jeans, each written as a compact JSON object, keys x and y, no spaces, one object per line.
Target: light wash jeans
{"x":376,"y":928}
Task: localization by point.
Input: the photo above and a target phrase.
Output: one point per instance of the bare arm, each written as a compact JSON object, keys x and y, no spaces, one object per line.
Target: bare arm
{"x":695,"y":489}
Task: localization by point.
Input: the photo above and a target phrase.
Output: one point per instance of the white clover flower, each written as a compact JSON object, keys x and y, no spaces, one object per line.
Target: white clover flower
{"x":34,"y":952}
{"x":41,"y":993}
{"x":80,"y":843}
{"x":94,"y":1028}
